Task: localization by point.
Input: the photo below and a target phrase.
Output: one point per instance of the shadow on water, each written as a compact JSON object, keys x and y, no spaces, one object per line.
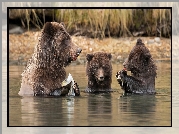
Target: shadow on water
{"x":92,"y":109}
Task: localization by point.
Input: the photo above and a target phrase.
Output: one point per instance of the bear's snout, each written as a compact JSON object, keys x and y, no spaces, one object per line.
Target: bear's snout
{"x":100,"y":73}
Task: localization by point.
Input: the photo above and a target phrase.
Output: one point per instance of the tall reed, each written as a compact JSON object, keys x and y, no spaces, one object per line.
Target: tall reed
{"x":101,"y":22}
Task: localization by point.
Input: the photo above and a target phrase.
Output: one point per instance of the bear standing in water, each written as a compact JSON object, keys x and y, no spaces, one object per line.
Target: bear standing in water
{"x":143,"y":70}
{"x":99,"y":72}
{"x":45,"y":71}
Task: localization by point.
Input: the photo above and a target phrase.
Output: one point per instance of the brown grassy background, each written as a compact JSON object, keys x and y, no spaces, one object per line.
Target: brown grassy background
{"x":100,"y":23}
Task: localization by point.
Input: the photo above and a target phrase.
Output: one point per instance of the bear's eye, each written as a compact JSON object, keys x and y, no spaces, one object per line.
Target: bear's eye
{"x":94,"y":67}
{"x":106,"y":67}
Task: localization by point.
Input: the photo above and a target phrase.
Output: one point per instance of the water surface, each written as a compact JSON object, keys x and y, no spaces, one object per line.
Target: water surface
{"x":92,"y":109}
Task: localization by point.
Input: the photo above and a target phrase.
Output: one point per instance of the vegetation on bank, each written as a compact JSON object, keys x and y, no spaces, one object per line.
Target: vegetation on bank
{"x":100,"y":23}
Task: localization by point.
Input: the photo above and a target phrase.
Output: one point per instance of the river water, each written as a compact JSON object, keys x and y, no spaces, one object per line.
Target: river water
{"x":91,"y":109}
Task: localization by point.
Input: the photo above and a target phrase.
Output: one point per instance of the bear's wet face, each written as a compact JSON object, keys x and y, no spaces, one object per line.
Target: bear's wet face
{"x":144,"y":58}
{"x":65,"y":51}
{"x":138,"y":59}
{"x":99,"y":70}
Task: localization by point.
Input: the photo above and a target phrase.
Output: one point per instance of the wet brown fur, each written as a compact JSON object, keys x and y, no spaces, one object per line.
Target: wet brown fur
{"x":99,"y":65}
{"x":55,"y":50}
{"x":142,"y":67}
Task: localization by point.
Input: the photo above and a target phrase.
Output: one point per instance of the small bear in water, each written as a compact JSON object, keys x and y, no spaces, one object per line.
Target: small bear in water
{"x":99,"y":72}
{"x":143,"y":70}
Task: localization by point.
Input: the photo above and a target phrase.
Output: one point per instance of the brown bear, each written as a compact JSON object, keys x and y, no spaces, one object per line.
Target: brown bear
{"x":143,"y":71}
{"x":45,"y":71}
{"x":99,"y":72}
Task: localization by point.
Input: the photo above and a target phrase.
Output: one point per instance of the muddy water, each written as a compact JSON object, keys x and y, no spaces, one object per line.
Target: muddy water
{"x":90,"y":109}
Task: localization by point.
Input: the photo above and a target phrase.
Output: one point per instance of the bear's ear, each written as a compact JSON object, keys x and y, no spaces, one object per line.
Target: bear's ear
{"x":48,"y":29}
{"x":63,"y":24}
{"x":89,"y":57}
{"x":109,"y":56}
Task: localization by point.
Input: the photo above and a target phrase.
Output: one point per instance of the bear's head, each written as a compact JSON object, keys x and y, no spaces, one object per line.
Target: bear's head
{"x":55,"y":46}
{"x":99,"y":66}
{"x":139,"y":59}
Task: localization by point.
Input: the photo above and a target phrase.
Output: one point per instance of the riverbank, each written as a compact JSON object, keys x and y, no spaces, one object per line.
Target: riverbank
{"x":21,"y":47}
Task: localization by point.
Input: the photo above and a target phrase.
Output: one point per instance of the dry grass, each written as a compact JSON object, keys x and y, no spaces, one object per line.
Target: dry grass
{"x":115,"y":22}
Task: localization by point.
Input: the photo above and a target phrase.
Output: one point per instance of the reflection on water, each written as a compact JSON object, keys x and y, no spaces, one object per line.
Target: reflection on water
{"x":99,"y":110}
{"x":92,"y":109}
{"x":142,"y":110}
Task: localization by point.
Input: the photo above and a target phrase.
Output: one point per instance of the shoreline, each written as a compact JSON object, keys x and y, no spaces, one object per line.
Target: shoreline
{"x":21,"y":47}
